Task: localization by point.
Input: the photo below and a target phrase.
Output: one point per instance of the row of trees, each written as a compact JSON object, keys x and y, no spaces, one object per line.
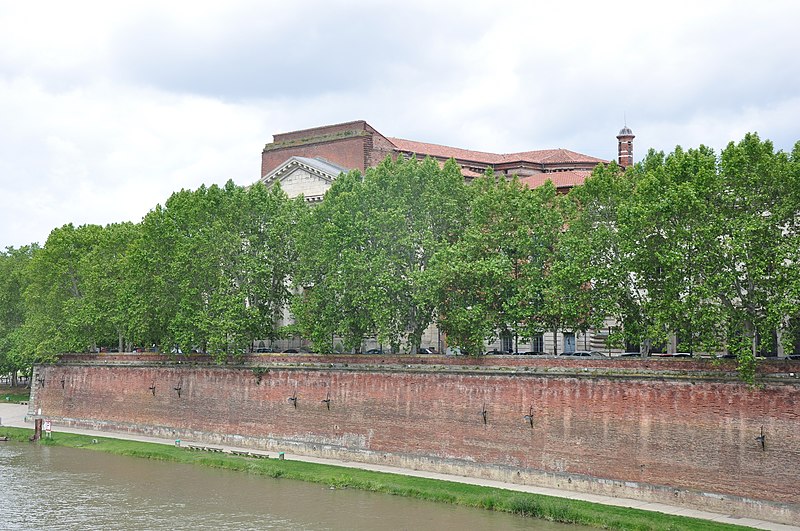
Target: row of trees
{"x":690,"y":243}
{"x":208,"y":270}
{"x":703,"y":246}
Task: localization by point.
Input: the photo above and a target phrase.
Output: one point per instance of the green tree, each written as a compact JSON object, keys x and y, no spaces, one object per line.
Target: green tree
{"x":331,"y":276}
{"x":107,"y":284}
{"x":600,"y":256}
{"x":14,"y":264}
{"x":666,"y":225}
{"x":710,"y":247}
{"x":211,"y":268}
{"x":790,"y":275}
{"x":64,"y":312}
{"x":364,"y":252}
{"x":494,"y":279}
{"x":756,"y":252}
{"x":262,"y":260}
{"x":567,"y":300}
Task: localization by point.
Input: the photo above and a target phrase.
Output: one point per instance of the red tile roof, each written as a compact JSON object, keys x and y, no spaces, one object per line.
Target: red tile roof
{"x":445,"y":152}
{"x":543,"y":156}
{"x":466,"y":172}
{"x":551,"y":156}
{"x":561,"y":179}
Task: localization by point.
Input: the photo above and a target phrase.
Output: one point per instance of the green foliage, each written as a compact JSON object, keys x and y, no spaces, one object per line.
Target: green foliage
{"x":364,"y":253}
{"x":75,"y":297}
{"x":14,"y":278}
{"x":691,"y":245}
{"x":665,"y":228}
{"x":598,"y":248}
{"x":211,"y":269}
{"x":696,"y":245}
{"x":497,"y":277}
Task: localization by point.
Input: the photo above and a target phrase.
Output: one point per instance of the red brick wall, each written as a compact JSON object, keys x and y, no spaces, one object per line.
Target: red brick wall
{"x":724,"y":368}
{"x":353,"y":145}
{"x":378,"y":149}
{"x":592,"y":433}
{"x":346,"y":152}
{"x":335,"y":129}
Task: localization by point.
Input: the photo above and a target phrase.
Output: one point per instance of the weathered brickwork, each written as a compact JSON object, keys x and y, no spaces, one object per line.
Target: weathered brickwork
{"x":332,"y":130}
{"x":691,"y":440}
{"x":346,"y":152}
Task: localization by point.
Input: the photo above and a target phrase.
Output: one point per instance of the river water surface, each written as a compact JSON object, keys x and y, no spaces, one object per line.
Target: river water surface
{"x":48,"y":487}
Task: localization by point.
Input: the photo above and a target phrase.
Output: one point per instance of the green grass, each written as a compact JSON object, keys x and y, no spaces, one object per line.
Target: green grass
{"x":523,"y":504}
{"x":14,"y":396}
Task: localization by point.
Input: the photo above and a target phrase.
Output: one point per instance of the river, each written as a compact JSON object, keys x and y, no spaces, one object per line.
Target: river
{"x":48,"y":487}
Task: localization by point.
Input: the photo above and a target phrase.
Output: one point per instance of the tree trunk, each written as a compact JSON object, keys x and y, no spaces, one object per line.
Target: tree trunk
{"x":646,"y":346}
{"x":555,"y":341}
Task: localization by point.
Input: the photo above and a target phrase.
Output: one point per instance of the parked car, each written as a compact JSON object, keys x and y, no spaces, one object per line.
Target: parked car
{"x":374,"y":351}
{"x":291,"y":351}
{"x":426,"y":350}
{"x":584,"y":354}
{"x":532,"y":353}
{"x":499,"y":352}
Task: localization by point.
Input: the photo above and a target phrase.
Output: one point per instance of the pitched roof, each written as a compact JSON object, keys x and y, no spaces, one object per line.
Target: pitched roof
{"x":561,"y":179}
{"x":445,"y":152}
{"x":551,"y":156}
{"x":542,"y":156}
{"x":320,"y":167}
{"x":323,"y":165}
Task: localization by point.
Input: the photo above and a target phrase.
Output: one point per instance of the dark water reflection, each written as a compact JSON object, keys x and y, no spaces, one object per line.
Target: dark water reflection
{"x":65,"y":488}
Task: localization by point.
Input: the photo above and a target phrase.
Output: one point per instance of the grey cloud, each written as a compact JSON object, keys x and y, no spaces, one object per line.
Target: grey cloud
{"x":300,"y":54}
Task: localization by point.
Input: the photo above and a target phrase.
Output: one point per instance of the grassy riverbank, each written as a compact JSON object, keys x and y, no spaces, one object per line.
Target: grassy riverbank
{"x":524,"y":504}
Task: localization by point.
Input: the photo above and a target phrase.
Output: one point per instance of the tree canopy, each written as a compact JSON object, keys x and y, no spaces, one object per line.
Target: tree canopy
{"x":691,"y":246}
{"x":365,"y":253}
{"x":211,"y":268}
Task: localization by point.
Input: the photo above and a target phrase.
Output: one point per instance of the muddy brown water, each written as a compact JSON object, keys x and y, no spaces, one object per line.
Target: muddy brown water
{"x":66,"y":488}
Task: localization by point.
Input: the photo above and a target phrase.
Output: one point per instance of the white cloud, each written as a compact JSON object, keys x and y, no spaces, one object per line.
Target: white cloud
{"x":107,"y":108}
{"x":108,"y":153}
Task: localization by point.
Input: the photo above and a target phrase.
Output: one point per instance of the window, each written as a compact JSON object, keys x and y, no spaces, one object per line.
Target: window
{"x":507,"y":342}
{"x":537,"y":343}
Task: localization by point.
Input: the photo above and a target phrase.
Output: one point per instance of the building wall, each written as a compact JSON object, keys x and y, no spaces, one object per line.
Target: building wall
{"x":302,"y":182}
{"x":354,"y":146}
{"x":687,"y":440}
{"x":377,"y":148}
{"x":348,"y":152}
{"x":333,"y":130}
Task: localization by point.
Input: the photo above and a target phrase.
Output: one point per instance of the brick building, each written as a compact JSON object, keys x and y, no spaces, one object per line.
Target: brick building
{"x":300,"y":159}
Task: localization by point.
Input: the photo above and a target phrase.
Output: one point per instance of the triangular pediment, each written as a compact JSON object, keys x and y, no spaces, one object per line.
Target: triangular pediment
{"x":310,"y":177}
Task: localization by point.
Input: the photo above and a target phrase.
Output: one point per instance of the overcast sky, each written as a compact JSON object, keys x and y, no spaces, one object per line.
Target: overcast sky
{"x":106,"y":108}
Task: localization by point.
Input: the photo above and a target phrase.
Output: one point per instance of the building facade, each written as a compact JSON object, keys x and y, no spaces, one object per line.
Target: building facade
{"x":357,"y":146}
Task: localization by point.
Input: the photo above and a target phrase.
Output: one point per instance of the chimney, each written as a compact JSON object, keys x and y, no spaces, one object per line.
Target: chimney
{"x":625,"y":147}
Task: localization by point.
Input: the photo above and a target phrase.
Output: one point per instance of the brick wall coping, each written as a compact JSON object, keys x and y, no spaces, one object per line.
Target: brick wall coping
{"x":673,"y":369}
